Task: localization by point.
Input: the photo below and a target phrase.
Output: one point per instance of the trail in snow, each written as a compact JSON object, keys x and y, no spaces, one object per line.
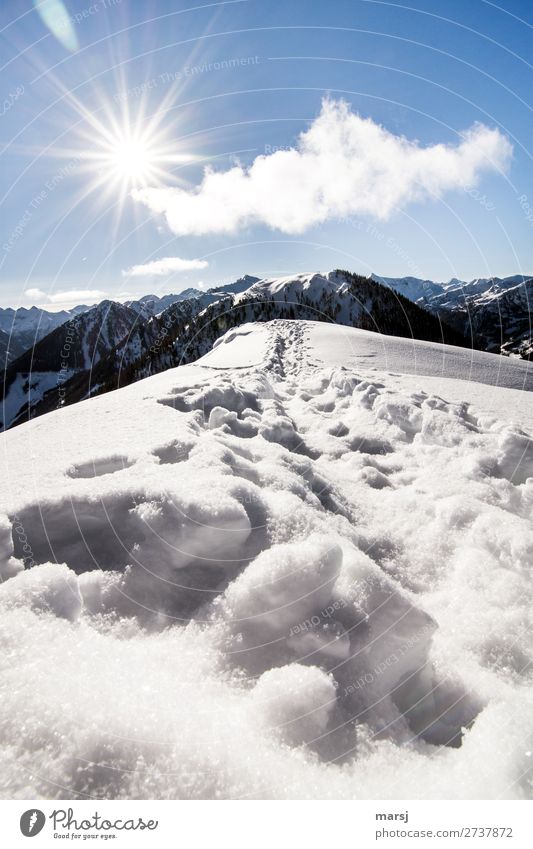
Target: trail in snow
{"x":269,"y":574}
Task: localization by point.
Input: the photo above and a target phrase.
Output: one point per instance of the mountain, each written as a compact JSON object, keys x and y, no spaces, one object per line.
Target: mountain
{"x":309,"y":545}
{"x":188,"y":329}
{"x":150,"y":305}
{"x":240,"y":285}
{"x":104,"y":344}
{"x":495,"y":312}
{"x":24,"y":327}
{"x":78,"y":345}
{"x":414,"y":288}
{"x":503,"y":319}
{"x":153,"y":305}
{"x":498,"y":317}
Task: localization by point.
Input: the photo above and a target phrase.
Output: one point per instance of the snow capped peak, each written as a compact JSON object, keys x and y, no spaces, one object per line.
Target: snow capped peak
{"x":239,"y":285}
{"x":315,"y":283}
{"x":414,"y":288}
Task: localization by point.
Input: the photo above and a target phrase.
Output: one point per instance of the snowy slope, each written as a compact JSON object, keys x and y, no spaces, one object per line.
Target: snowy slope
{"x":287,"y":570}
{"x":456,"y":373}
{"x":237,"y":286}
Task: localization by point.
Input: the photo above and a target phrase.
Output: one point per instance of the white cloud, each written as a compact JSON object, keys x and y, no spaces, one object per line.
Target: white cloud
{"x":342,"y":165}
{"x":35,"y":294}
{"x":70,"y":296}
{"x":167,"y":265}
{"x":79,"y":296}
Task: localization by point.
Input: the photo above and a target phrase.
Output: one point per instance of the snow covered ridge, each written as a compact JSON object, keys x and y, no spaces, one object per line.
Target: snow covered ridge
{"x":455,"y":300}
{"x":112,"y":345}
{"x":287,"y":570}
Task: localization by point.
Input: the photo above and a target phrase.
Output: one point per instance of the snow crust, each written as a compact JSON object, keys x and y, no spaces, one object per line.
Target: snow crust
{"x":299,"y":568}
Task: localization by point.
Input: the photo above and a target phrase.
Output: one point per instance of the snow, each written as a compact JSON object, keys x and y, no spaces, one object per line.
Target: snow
{"x":457,"y":373}
{"x":295,"y":701}
{"x":52,"y":587}
{"x":412,"y":287}
{"x":311,"y":284}
{"x":248,"y":348}
{"x":300,"y":567}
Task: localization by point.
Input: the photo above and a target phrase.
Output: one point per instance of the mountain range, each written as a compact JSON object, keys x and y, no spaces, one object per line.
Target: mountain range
{"x":54,"y":359}
{"x":494,"y":312}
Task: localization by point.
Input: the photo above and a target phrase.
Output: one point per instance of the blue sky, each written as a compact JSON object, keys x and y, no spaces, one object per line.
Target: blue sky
{"x":108,"y":123}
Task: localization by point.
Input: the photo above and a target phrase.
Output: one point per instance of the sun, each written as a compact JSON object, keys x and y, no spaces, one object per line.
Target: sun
{"x":124,"y":157}
{"x":115,"y":150}
{"x":131,"y":161}
{"x":118,"y":155}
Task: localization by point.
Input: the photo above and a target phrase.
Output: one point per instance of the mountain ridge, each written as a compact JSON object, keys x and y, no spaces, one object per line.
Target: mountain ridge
{"x":115,"y":344}
{"x":187,"y":329}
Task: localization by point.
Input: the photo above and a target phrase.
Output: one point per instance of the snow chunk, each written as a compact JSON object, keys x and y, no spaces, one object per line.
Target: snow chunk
{"x":515,"y":457}
{"x":9,"y":565}
{"x":295,"y":701}
{"x":51,"y":588}
{"x":284,"y":585}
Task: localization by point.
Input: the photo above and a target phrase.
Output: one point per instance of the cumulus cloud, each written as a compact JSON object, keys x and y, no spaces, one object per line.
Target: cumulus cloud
{"x":35,"y":293}
{"x":77,"y":295}
{"x":66,"y":297}
{"x":342,"y":165}
{"x":168,"y":264}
